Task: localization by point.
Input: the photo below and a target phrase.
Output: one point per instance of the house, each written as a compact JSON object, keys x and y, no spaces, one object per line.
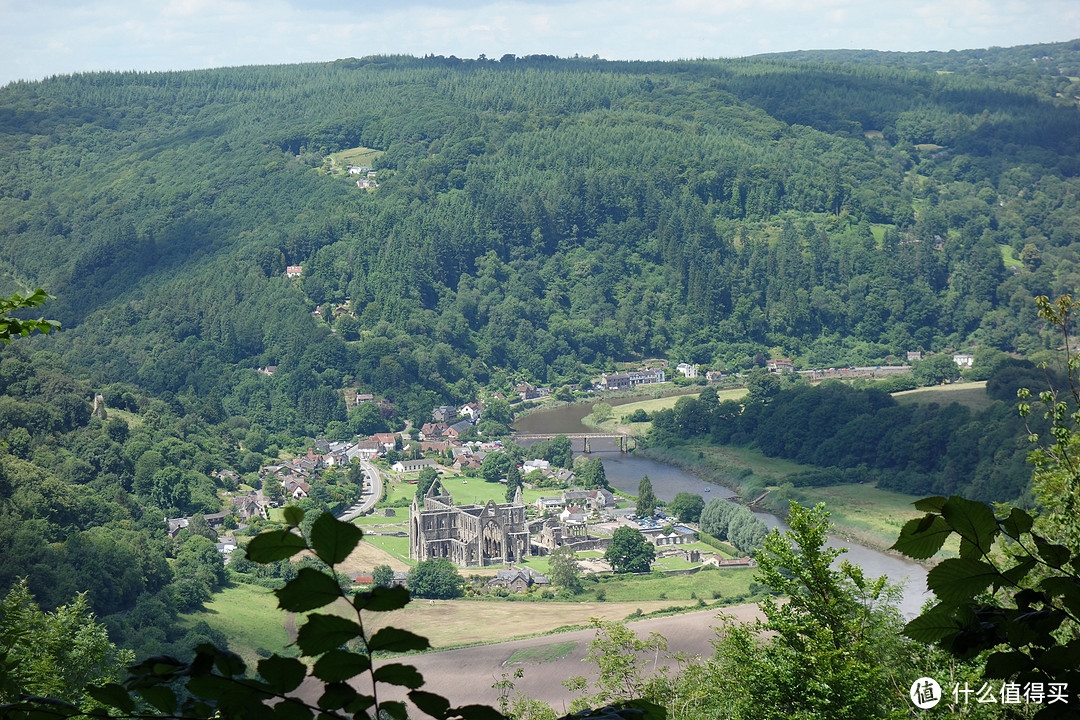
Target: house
{"x":458,"y":429}
{"x":564,"y":476}
{"x":387,"y":440}
{"x":356,"y":170}
{"x":529,"y":465}
{"x":527,"y":392}
{"x":518,"y":580}
{"x":601,"y":499}
{"x":573,"y":514}
{"x":618,"y":381}
{"x":175,"y":525}
{"x":365,"y":449}
{"x":363,"y":398}
{"x":679,"y":535}
{"x":248,"y":507}
{"x":443,"y":414}
{"x":914,"y":355}
{"x":575,"y":497}
{"x":433,"y":430}
{"x":408,"y":466}
{"x":714,"y":376}
{"x":470,"y":410}
{"x":548,"y":504}
{"x":964,"y":360}
{"x":434,"y":446}
{"x":268,"y":370}
{"x":294,"y":271}
{"x":780,"y":365}
{"x":687,"y":370}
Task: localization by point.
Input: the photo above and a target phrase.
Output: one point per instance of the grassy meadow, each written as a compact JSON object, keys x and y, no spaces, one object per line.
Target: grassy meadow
{"x":971,"y":394}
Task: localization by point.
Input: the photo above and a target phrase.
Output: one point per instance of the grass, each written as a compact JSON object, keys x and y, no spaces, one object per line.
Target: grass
{"x":1008,"y":258}
{"x":354,"y":156}
{"x":248,"y":616}
{"x":728,"y":583}
{"x":620,"y":425}
{"x":393,"y":545}
{"x":867,"y":514}
{"x":972,"y":395}
{"x":541,"y":653}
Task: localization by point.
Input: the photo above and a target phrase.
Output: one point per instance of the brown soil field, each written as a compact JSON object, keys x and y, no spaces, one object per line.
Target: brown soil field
{"x":465,"y":675}
{"x":448,"y":623}
{"x":366,"y":556}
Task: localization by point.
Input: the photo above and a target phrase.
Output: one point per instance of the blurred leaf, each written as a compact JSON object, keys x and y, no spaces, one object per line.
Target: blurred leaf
{"x":430,"y":703}
{"x":161,"y":697}
{"x":325,"y":632}
{"x":310,"y":589}
{"x":336,"y":665}
{"x":294,"y":515}
{"x":931,"y":626}
{"x":333,"y":539}
{"x":395,"y":710}
{"x":283,"y":675}
{"x":398,"y":674}
{"x":381,"y":599}
{"x":274,"y":545}
{"x":112,"y":695}
{"x":396,"y":640}
{"x":336,"y":696}
{"x":930,"y":504}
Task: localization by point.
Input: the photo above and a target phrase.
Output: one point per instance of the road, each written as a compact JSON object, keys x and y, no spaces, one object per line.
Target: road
{"x":373,"y":488}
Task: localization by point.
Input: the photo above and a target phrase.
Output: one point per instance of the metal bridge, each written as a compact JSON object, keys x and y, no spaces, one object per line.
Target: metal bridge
{"x":585,"y":438}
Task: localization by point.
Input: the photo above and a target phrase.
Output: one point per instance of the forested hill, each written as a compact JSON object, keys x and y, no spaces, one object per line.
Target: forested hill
{"x":537,"y":215}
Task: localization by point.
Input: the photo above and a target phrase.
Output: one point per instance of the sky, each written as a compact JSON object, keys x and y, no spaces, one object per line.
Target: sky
{"x":41,"y":38}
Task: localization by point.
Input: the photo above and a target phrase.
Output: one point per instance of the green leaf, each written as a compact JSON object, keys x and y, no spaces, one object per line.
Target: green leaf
{"x":932,"y":625}
{"x":395,"y":710}
{"x":294,"y":515}
{"x":325,"y":632}
{"x":274,"y":545}
{"x":1065,"y":587}
{"x":283,"y":675}
{"x":161,"y":697}
{"x":396,"y":640}
{"x":112,"y":695}
{"x":338,"y":665}
{"x":398,"y":674}
{"x":484,"y":712}
{"x":961,"y":579}
{"x":310,"y":589}
{"x":336,"y":696}
{"x":1018,"y":523}
{"x":380,"y":599}
{"x":333,"y":539}
{"x":434,"y":705}
{"x":1019,"y":571}
{"x":1006,"y":664}
{"x":919,"y":542}
{"x":290,"y":709}
{"x":930,"y":504}
{"x":1053,"y":555}
{"x":972,"y":520}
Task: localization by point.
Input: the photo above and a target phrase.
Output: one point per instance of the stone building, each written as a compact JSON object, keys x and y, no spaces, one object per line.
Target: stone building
{"x":467,"y":535}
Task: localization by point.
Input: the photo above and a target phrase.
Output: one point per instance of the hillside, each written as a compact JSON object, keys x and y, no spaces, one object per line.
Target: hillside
{"x":534,"y":215}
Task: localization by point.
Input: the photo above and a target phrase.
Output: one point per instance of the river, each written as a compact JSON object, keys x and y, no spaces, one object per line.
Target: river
{"x":624,"y":472}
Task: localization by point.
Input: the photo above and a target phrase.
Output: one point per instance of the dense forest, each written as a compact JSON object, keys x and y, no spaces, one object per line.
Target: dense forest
{"x":534,"y":215}
{"x":535,"y":218}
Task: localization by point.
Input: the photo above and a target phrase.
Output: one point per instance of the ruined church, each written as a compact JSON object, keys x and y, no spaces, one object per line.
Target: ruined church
{"x":467,"y":535}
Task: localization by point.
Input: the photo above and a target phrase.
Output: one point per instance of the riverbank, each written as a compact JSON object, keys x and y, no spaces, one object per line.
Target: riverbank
{"x":860,"y":513}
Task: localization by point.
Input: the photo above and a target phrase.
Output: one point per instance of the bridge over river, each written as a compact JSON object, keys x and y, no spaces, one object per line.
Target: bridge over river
{"x":586,"y":439}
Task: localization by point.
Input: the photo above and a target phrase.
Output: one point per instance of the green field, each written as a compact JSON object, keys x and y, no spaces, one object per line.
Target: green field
{"x":864,"y":513}
{"x":354,"y":156}
{"x":1008,"y":258}
{"x":249,"y":616}
{"x":970,"y":394}
{"x":706,"y":585}
{"x":620,"y":424}
{"x":395,"y":545}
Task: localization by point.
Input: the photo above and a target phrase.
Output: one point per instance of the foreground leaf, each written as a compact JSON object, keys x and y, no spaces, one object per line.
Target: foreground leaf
{"x":325,"y":632}
{"x":333,"y":539}
{"x":310,"y":589}
{"x":274,"y":545}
